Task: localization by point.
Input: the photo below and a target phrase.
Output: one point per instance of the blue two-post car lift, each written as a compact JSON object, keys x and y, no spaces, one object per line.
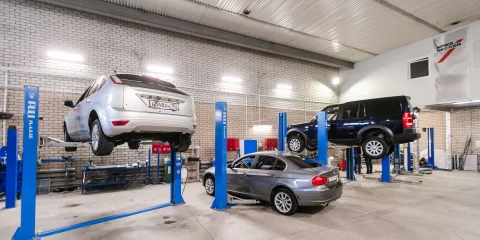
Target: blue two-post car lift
{"x":26,"y":230}
{"x":220,"y":202}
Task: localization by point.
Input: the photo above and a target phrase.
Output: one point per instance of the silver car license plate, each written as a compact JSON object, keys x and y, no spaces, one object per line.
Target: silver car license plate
{"x":164,"y":105}
{"x":333,"y":179}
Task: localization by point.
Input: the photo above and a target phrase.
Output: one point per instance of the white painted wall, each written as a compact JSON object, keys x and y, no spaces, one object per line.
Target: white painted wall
{"x":387,"y":74}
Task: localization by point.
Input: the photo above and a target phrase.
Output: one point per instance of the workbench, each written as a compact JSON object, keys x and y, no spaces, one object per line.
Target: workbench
{"x":109,"y":175}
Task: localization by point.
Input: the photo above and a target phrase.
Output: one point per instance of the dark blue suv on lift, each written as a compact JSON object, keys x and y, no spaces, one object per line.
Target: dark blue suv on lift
{"x":375,"y":124}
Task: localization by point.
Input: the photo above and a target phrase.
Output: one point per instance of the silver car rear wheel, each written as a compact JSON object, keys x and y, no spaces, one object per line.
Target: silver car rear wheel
{"x":283,"y":202}
{"x":210,"y":186}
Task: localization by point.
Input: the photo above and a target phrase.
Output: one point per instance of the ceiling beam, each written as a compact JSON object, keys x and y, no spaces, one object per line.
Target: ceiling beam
{"x":409,"y":15}
{"x":142,"y":17}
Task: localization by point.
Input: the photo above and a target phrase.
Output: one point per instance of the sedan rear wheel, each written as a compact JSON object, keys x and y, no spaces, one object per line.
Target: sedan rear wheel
{"x":210,"y":186}
{"x":284,"y":202}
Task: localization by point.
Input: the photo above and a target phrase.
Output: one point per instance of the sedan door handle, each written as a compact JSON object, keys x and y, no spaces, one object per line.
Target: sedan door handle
{"x":88,"y":101}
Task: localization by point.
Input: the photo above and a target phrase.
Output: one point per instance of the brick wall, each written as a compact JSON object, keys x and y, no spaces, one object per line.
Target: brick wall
{"x":435,"y":119}
{"x":465,"y":123}
{"x":28,"y":29}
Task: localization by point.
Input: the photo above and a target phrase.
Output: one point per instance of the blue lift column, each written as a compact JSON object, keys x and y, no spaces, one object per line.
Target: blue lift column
{"x":409,"y":156}
{"x":12,"y":168}
{"x":385,"y":169}
{"x":322,"y":138}
{"x":397,"y":155}
{"x":431,"y":147}
{"x":282,"y":131}
{"x":176,"y":179}
{"x":26,"y":231}
{"x":349,"y":168}
{"x":220,"y":203}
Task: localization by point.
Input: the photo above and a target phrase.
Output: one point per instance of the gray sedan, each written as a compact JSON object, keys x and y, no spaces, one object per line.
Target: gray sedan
{"x":283,"y":179}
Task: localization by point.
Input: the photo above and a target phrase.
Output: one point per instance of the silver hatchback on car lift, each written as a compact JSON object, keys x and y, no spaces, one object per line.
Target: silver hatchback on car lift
{"x":283,"y":179}
{"x":130,"y":108}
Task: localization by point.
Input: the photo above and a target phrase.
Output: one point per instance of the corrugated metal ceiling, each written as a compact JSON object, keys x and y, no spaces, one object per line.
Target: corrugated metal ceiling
{"x":351,"y":30}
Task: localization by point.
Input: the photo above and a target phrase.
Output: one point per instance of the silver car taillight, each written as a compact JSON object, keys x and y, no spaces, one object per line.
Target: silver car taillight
{"x":116,"y":80}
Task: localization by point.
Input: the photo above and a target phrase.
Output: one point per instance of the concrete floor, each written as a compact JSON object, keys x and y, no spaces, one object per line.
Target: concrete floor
{"x":445,"y":206}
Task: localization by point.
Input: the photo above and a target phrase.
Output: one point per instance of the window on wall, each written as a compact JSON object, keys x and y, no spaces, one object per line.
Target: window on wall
{"x":419,"y":68}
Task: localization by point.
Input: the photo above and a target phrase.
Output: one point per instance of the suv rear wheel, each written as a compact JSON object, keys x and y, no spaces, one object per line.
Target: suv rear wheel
{"x":101,"y":145}
{"x":180,"y":143}
{"x":296,"y":144}
{"x":375,"y":147}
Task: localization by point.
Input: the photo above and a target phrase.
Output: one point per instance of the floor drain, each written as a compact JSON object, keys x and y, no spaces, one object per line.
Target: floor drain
{"x":169,"y":222}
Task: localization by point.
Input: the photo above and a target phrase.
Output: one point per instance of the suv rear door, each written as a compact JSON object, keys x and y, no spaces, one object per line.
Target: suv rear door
{"x":387,"y":112}
{"x":351,"y":118}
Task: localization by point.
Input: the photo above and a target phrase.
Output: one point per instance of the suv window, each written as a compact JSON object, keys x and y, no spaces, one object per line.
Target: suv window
{"x":350,"y":111}
{"x":384,"y":107}
{"x":332,"y":113}
{"x":245,"y":162}
{"x":361,"y":111}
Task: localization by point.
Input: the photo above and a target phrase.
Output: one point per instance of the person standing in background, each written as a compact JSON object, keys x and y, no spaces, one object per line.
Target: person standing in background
{"x":368,"y":162}
{"x":358,"y":160}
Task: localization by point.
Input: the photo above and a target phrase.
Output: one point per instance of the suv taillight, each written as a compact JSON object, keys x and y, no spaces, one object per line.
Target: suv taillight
{"x":407,"y":120}
{"x":319,"y":180}
{"x":116,"y":80}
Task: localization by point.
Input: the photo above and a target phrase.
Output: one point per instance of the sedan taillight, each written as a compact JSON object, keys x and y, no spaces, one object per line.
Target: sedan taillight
{"x":319,"y":180}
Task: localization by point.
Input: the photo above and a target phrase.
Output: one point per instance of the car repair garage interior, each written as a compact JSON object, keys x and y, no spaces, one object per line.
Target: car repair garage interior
{"x":240,"y":119}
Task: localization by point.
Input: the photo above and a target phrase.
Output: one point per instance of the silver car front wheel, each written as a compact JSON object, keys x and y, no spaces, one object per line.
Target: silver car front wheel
{"x":95,"y":137}
{"x":101,"y":144}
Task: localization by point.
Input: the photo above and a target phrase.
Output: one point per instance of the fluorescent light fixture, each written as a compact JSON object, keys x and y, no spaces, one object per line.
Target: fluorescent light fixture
{"x":64,"y":56}
{"x":231,"y":79}
{"x":159,"y":69}
{"x":284,"y":86}
{"x":466,"y":102}
{"x":335,"y":81}
{"x":262,"y":128}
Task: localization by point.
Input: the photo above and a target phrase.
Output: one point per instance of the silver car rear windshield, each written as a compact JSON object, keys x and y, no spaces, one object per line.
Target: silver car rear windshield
{"x":302,"y":161}
{"x":148,"y":82}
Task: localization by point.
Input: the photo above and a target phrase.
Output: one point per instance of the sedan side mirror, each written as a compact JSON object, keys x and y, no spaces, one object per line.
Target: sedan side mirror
{"x":69,"y":103}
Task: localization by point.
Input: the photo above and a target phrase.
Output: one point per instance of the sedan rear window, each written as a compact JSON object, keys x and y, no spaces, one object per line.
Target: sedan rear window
{"x":303,"y":161}
{"x":148,"y":82}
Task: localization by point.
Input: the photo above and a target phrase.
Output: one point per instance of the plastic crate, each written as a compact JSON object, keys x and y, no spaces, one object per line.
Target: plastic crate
{"x":43,"y":186}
